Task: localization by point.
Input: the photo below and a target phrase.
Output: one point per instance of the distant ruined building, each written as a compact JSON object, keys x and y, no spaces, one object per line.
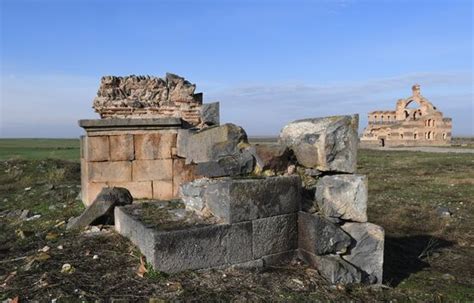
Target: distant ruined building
{"x":407,"y":125}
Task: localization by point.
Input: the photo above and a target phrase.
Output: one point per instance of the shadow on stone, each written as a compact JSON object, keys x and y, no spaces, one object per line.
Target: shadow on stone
{"x":406,"y":255}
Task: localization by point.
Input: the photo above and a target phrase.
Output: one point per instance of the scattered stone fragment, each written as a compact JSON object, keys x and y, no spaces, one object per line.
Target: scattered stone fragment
{"x":67,"y":268}
{"x":443,"y":212}
{"x":60,"y":247}
{"x":95,"y":257}
{"x":366,"y":251}
{"x":24,"y":214}
{"x":33,"y":217}
{"x":343,"y":196}
{"x":44,"y":249}
{"x":27,"y":188}
{"x":102,"y":207}
{"x":327,"y":144}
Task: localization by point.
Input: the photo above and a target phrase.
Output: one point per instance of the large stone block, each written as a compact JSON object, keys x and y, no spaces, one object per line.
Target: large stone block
{"x":192,"y":194}
{"x":152,"y":146}
{"x":274,"y":235}
{"x":163,"y":189}
{"x":211,"y":143}
{"x":273,"y":157}
{"x":234,"y":165}
{"x":97,"y":148}
{"x":146,"y":170}
{"x":333,"y":268}
{"x":236,"y":200}
{"x":91,"y":190}
{"x":366,"y":251}
{"x":210,"y":113}
{"x":327,"y":144}
{"x":319,"y":236}
{"x":182,"y":173}
{"x":113,"y":171}
{"x":121,"y":148}
{"x":343,"y":197}
{"x":138,"y":190}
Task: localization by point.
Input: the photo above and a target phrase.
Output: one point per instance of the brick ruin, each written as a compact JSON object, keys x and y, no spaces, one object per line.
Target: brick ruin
{"x":422,"y":125}
{"x":206,"y":198}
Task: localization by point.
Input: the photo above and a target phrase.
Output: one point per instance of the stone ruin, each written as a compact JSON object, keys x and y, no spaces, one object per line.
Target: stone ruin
{"x":203,"y":197}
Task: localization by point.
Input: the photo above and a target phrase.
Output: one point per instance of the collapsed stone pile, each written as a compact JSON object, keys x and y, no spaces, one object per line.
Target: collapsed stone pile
{"x":257,"y":205}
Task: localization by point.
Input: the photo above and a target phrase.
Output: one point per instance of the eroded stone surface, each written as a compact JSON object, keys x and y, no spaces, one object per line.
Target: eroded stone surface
{"x":327,"y":144}
{"x":241,"y":163}
{"x":274,"y":235}
{"x":210,"y":114}
{"x":274,"y":157}
{"x":343,"y":197}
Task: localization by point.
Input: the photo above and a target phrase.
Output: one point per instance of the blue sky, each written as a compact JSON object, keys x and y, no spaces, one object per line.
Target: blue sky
{"x":267,"y":62}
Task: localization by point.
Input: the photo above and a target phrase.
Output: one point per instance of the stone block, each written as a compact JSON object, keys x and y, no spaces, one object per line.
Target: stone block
{"x":274,"y":235}
{"x":91,"y":191}
{"x":327,"y":144}
{"x":121,"y":148}
{"x":235,"y":165}
{"x":97,"y":148}
{"x":182,"y":173}
{"x":367,"y":248}
{"x":273,"y":157}
{"x":146,"y":170}
{"x":211,"y":143}
{"x":343,"y":197}
{"x":192,"y":194}
{"x":138,"y":190}
{"x":333,"y":268}
{"x":210,"y":113}
{"x":153,"y":146}
{"x":236,"y":200}
{"x":279,"y":258}
{"x":163,"y":189}
{"x":113,"y":171}
{"x":319,"y":236}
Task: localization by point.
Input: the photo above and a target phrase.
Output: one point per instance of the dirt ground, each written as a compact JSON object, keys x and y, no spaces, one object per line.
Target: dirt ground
{"x":425,"y":202}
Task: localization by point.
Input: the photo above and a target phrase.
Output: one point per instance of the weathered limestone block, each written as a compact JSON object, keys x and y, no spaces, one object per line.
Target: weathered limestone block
{"x":273,"y":157}
{"x":182,"y":173}
{"x":97,"y":148}
{"x":343,"y":197}
{"x":121,"y":148}
{"x":154,"y":145}
{"x":234,"y":165}
{"x":192,"y":194}
{"x":113,"y":171}
{"x":91,"y":190}
{"x":367,"y":249}
{"x":138,"y":189}
{"x":163,"y":189}
{"x":333,"y":268}
{"x":179,"y":88}
{"x":210,"y":113}
{"x":328,"y":144}
{"x":274,"y":235}
{"x":102,"y":206}
{"x":236,"y":200}
{"x":146,"y":170}
{"x":319,"y":236}
{"x":212,"y":143}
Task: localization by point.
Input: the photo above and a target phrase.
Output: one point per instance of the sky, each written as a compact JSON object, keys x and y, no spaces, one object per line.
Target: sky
{"x":267,"y":62}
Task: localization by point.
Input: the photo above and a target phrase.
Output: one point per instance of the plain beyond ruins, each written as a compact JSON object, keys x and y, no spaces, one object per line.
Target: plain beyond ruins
{"x":194,"y":194}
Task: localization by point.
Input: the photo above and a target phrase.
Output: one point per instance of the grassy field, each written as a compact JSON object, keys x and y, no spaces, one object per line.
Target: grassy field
{"x":428,"y":257}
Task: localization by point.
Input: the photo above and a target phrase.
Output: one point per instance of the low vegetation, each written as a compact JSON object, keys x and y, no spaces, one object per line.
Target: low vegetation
{"x":424,"y":201}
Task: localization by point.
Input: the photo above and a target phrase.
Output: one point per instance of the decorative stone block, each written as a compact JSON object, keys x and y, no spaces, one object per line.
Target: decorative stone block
{"x":163,"y":189}
{"x":121,"y":148}
{"x":97,"y":148}
{"x":319,"y":236}
{"x":343,"y":197}
{"x":146,"y":170}
{"x":367,"y":249}
{"x":327,"y":144}
{"x":139,"y":190}
{"x":113,"y":171}
{"x":154,"y":145}
{"x":274,"y":235}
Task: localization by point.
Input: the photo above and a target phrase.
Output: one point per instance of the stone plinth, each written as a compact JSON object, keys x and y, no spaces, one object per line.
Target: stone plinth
{"x":138,"y":154}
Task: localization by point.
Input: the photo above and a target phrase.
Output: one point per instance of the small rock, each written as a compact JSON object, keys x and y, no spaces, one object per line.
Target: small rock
{"x":448,"y":277}
{"x":60,"y":247}
{"x":52,"y":207}
{"x":67,"y":268}
{"x":27,"y":188}
{"x":44,"y":249}
{"x":443,"y":212}
{"x":95,"y":257}
{"x":24,"y":214}
{"x":33,"y":218}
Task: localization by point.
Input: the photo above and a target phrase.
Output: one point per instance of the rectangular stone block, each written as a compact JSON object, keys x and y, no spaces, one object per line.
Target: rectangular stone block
{"x":147,"y":170}
{"x":121,"y":148}
{"x":163,"y":189}
{"x":93,"y":189}
{"x":138,"y":189}
{"x":274,"y":235}
{"x":116,"y":171}
{"x":154,"y":145}
{"x":97,"y":148}
{"x":237,"y":200}
{"x":182,"y":173}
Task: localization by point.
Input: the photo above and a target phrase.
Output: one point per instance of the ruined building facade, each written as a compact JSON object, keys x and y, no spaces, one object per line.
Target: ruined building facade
{"x":414,"y":122}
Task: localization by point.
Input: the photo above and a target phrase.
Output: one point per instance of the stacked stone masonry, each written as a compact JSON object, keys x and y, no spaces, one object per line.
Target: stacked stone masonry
{"x":239,"y":205}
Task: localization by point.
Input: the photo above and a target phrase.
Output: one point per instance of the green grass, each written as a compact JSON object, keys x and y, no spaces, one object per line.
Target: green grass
{"x":35,"y":149}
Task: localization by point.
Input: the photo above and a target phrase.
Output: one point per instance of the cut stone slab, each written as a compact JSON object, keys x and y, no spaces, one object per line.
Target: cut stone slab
{"x":188,"y":242}
{"x":333,"y":268}
{"x":327,"y":144}
{"x":343,"y":197}
{"x":102,"y":206}
{"x":192,"y":194}
{"x":319,"y":236}
{"x":273,"y":157}
{"x":235,"y":165}
{"x":237,"y":200}
{"x":367,"y":249}
{"x":210,"y":113}
{"x":274,"y":235}
{"x":211,"y":143}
